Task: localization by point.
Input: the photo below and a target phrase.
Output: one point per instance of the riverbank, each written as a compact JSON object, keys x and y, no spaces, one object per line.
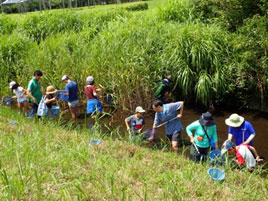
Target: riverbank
{"x":41,"y":160}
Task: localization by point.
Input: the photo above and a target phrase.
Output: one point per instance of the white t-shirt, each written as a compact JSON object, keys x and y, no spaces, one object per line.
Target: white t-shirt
{"x":247,"y":156}
{"x":18,"y":93}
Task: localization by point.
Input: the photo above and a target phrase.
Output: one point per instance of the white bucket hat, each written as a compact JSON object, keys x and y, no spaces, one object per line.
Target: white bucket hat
{"x":234,"y":120}
{"x":64,"y":77}
{"x":140,"y":109}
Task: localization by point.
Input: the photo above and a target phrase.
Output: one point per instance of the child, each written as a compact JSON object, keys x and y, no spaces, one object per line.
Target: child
{"x":20,"y":95}
{"x":93,"y":103}
{"x":137,"y":121}
{"x":243,"y":154}
{"x":50,"y":100}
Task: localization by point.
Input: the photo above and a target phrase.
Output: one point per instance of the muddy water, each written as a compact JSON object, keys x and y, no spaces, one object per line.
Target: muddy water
{"x":258,"y":120}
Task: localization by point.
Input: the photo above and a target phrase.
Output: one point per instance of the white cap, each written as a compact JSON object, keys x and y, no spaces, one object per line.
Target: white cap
{"x":11,"y":84}
{"x":64,"y":77}
{"x":89,"y":79}
{"x":140,"y":109}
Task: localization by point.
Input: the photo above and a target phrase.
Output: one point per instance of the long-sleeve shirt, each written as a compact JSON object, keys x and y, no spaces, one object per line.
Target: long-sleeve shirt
{"x":199,"y":131}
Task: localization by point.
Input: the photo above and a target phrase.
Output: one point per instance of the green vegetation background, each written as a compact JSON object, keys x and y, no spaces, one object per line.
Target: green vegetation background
{"x":215,"y":50}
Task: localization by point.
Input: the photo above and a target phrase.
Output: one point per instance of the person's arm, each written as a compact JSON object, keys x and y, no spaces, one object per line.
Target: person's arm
{"x":156,"y":122}
{"x":47,"y":101}
{"x":67,"y":93}
{"x":190,"y":128}
{"x":30,"y":95}
{"x":180,"y":110}
{"x":94,"y":92}
{"x":127,"y":120}
{"x":255,"y":153}
{"x":250,"y":138}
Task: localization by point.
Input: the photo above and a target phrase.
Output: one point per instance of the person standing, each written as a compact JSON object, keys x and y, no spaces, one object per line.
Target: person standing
{"x":20,"y":95}
{"x":163,"y":90}
{"x":205,"y":129}
{"x":71,"y":89}
{"x":34,"y":91}
{"x":242,"y":131}
{"x":164,"y":113}
{"x":93,"y":103}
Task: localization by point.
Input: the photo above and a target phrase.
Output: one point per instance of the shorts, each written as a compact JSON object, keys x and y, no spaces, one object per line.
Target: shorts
{"x":175,"y":137}
{"x":93,"y":105}
{"x":23,"y":101}
{"x":74,"y":103}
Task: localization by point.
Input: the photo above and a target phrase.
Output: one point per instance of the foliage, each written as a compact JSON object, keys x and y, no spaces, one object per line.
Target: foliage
{"x":137,"y":7}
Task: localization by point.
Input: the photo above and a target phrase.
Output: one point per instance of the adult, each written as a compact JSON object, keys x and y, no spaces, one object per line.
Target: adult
{"x":164,"y":113}
{"x":93,"y":103}
{"x":163,"y":89}
{"x":71,"y":89}
{"x":34,"y":91}
{"x":205,"y":129}
{"x":242,"y":130}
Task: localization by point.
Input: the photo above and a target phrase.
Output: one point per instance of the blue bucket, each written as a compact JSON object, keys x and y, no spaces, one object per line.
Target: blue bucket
{"x":216,"y":174}
{"x":215,"y":157}
{"x":60,"y":95}
{"x":94,"y":142}
{"x":7,"y":100}
{"x":55,"y":110}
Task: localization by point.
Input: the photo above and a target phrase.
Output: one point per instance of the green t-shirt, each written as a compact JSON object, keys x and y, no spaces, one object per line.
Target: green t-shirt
{"x":34,"y":87}
{"x":199,"y":131}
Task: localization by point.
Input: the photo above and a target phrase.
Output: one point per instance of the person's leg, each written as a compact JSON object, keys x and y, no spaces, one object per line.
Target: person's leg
{"x":73,"y":112}
{"x":175,"y":141}
{"x":194,"y":156}
{"x":20,"y":105}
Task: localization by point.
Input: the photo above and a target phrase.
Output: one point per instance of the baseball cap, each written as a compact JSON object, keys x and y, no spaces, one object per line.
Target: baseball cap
{"x":11,"y":84}
{"x":64,"y":77}
{"x":140,"y":109}
{"x":89,"y":79}
{"x":226,"y":146}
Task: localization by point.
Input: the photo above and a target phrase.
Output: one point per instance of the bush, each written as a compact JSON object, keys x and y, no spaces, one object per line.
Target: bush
{"x":7,"y":25}
{"x":137,"y":7}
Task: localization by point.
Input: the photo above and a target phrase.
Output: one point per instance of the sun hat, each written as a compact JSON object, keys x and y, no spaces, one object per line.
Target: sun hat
{"x":226,"y":146}
{"x":140,"y":109}
{"x":234,"y":120}
{"x":206,"y":119}
{"x":11,"y":84}
{"x":51,"y":90}
{"x":89,"y":80}
{"x":64,"y":77}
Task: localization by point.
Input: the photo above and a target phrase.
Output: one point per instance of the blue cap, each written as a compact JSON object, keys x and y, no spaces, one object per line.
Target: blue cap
{"x":226,"y":146}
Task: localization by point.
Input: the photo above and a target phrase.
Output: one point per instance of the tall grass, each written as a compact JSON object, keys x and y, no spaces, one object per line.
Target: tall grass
{"x":44,"y":161}
{"x":128,"y":53}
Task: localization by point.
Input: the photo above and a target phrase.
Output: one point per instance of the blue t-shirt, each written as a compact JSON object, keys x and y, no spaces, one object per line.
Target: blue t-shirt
{"x":72,"y":89}
{"x":170,"y":111}
{"x":242,"y":132}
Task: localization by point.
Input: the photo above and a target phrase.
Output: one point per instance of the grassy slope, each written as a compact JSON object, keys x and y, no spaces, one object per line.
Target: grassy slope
{"x":43,"y":161}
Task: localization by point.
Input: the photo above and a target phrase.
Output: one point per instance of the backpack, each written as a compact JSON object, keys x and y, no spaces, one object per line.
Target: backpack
{"x":42,"y":107}
{"x":159,"y":90}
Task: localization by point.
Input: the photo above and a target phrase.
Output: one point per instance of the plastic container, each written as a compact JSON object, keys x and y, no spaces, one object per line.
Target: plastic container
{"x":60,"y":95}
{"x":215,"y":157}
{"x":55,"y":110}
{"x":216,"y":174}
{"x":7,"y":100}
{"x":94,"y":142}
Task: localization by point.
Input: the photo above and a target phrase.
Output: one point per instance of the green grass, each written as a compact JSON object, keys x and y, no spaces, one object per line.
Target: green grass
{"x":40,"y":160}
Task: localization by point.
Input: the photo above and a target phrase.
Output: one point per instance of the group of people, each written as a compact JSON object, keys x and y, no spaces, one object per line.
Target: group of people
{"x":35,"y":95}
{"x":203,"y":139}
{"x":202,"y":133}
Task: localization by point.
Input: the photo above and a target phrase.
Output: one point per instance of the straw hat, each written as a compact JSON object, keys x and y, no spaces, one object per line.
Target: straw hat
{"x":234,"y":120}
{"x":51,"y":90}
{"x":206,"y":119}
